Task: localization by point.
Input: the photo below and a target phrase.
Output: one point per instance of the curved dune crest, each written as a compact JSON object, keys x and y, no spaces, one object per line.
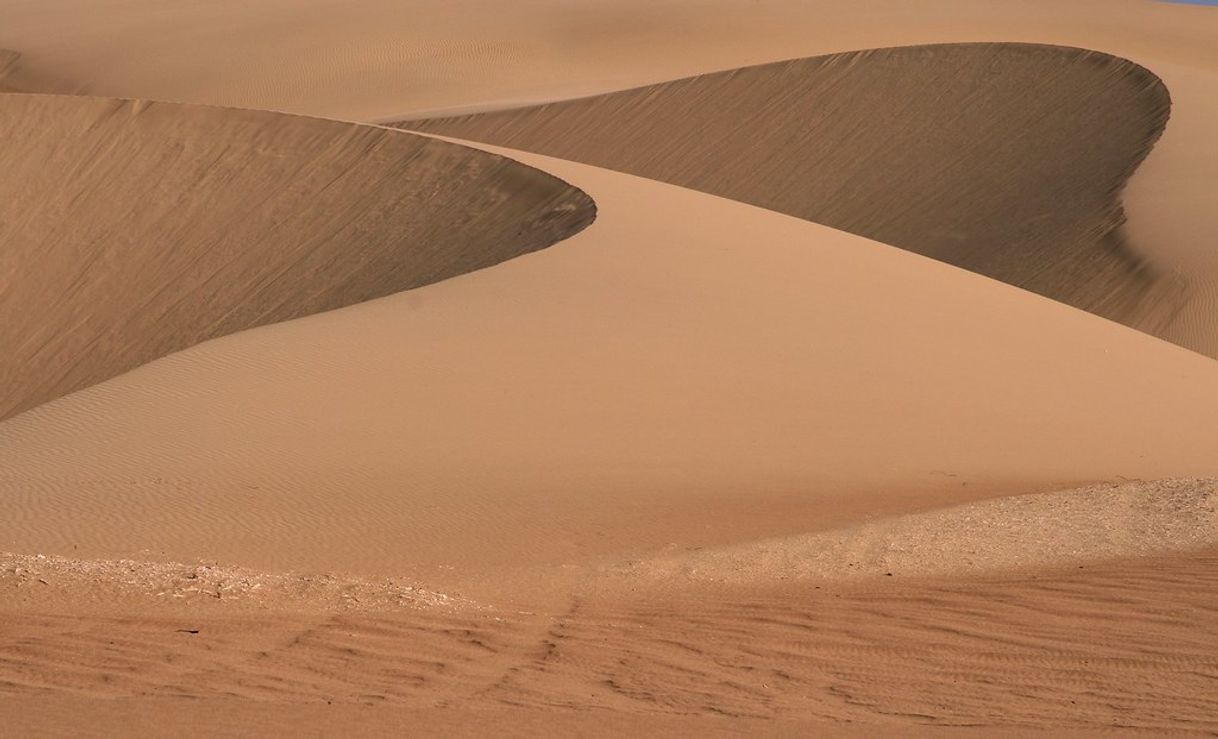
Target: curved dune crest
{"x":1005,"y":159}
{"x":129,"y":229}
{"x":642,"y":383}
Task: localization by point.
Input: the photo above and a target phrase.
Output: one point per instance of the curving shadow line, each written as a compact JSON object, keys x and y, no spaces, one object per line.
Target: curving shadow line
{"x":1006,"y":159}
{"x":133,"y":229}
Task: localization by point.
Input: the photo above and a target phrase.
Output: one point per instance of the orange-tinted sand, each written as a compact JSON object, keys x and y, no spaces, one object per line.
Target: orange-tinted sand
{"x":727,"y":375}
{"x":136,"y":229}
{"x":696,"y":468}
{"x":980,"y":155}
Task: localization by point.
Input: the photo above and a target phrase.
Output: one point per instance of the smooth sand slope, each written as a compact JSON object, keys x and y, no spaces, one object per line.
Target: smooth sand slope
{"x":657,"y":405}
{"x":1004,"y":159}
{"x":689,"y":370}
{"x":129,"y":230}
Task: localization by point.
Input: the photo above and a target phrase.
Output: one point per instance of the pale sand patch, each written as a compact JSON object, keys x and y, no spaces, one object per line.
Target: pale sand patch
{"x":39,"y":580}
{"x":1015,"y":533}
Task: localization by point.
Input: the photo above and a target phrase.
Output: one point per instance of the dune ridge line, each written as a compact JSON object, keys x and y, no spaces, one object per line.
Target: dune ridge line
{"x":1006,"y":159}
{"x":133,"y":229}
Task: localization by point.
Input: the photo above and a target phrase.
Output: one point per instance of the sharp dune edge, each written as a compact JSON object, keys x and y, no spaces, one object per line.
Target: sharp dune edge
{"x":749,"y":474}
{"x":138,"y":229}
{"x":886,"y":143}
{"x":659,"y":389}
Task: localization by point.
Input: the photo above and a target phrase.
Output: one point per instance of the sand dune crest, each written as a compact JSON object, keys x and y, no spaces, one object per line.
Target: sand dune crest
{"x":129,"y":229}
{"x":1005,"y":159}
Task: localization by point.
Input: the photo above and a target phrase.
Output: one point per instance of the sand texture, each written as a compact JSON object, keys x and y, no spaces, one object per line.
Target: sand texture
{"x":1012,"y":183}
{"x":131,"y":230}
{"x":386,"y":60}
{"x":739,"y":367}
{"x":729,"y":375}
{"x":390,"y":60}
{"x":1128,"y":645}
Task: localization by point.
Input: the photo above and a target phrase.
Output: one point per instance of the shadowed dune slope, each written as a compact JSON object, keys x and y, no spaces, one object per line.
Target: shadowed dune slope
{"x":640,"y":385}
{"x":8,"y":59}
{"x":129,"y":230}
{"x":1004,"y":159}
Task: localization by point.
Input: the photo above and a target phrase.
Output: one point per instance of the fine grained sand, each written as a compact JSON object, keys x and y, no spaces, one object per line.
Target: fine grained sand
{"x":621,"y":485}
{"x":1129,"y":644}
{"x":980,"y":155}
{"x":389,"y":60}
{"x":480,"y":503}
{"x":719,"y":377}
{"x":129,"y":230}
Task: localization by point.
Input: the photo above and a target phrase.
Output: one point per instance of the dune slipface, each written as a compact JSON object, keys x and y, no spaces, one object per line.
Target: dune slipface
{"x":129,"y":230}
{"x":1004,"y":159}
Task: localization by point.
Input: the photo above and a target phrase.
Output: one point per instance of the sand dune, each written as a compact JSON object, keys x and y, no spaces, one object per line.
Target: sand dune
{"x":134,"y":229}
{"x":1003,"y":159}
{"x":698,"y":468}
{"x":652,"y":388}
